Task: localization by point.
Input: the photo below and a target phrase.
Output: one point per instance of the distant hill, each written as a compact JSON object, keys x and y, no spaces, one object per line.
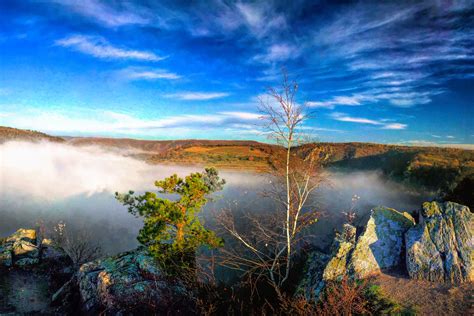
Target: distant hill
{"x":9,"y":133}
{"x":434,"y":168}
{"x":225,"y":154}
{"x":446,"y":170}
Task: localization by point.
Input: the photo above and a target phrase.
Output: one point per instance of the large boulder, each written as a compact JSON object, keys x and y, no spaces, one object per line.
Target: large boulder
{"x":380,"y":246}
{"x":441,"y":247}
{"x":131,"y":282}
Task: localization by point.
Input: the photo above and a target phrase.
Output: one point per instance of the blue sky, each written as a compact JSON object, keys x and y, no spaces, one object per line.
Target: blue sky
{"x":370,"y":71}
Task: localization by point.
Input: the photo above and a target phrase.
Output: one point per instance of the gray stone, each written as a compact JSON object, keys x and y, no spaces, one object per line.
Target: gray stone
{"x":380,"y":245}
{"x":129,"y":281}
{"x":441,"y":247}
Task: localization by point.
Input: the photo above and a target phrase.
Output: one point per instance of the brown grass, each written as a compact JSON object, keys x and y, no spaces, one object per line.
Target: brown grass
{"x":429,"y":298}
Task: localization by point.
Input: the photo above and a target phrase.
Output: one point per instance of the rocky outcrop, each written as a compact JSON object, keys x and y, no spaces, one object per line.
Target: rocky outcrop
{"x":130,"y":282}
{"x":379,"y":247}
{"x":342,"y":248}
{"x":322,"y":267}
{"x":441,"y":247}
{"x":23,"y":250}
{"x":29,"y":272}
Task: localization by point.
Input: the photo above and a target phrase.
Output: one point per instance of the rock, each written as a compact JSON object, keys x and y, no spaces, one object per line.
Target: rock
{"x":131,"y":282}
{"x":51,"y":254}
{"x":321,"y":267}
{"x":26,"y":262}
{"x":441,"y":247}
{"x":31,"y":273}
{"x":28,"y":235}
{"x":341,"y":250}
{"x":19,"y":249}
{"x":6,"y":259}
{"x":23,"y":249}
{"x":66,"y":299}
{"x":380,"y":245}
{"x":312,"y":283}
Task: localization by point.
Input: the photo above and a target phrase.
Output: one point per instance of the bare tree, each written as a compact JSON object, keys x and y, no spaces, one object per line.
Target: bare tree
{"x":78,"y":244}
{"x":269,"y":239}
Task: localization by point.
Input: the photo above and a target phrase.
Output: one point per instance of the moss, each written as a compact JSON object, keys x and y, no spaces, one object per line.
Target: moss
{"x":390,"y":213}
{"x":431,"y":209}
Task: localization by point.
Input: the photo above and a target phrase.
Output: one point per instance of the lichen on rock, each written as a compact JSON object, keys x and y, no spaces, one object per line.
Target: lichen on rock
{"x":130,"y":281}
{"x":380,"y":245}
{"x":441,"y":247}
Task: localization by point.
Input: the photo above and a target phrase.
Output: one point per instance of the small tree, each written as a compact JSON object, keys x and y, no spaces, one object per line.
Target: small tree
{"x":269,"y":240}
{"x":172,"y":230}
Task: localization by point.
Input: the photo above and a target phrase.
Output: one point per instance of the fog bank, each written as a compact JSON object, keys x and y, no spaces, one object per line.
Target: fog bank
{"x":53,"y":182}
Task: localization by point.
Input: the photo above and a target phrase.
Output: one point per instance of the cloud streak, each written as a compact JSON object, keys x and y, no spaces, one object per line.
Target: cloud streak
{"x":101,"y":48}
{"x":108,"y":122}
{"x":360,"y":120}
{"x":197,"y":96}
{"x":149,"y":74}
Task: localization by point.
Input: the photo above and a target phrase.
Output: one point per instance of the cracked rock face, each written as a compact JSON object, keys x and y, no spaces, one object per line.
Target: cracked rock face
{"x":441,"y":247}
{"x":130,"y":281}
{"x":380,"y":245}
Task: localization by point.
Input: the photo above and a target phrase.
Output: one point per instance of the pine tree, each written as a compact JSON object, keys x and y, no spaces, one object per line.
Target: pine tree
{"x":172,"y":231}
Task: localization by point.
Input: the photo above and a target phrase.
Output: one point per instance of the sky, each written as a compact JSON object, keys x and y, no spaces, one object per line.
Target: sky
{"x":370,"y":71}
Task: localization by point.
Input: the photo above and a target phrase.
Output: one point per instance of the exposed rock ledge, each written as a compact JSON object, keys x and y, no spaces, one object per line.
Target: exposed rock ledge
{"x":440,"y":248}
{"x":128,"y":283}
{"x":131,"y":281}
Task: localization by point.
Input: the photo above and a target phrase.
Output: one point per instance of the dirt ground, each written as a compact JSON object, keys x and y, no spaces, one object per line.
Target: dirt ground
{"x":428,"y":298}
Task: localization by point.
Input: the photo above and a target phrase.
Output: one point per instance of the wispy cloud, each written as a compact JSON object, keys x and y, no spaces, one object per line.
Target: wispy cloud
{"x":279,"y":52}
{"x":338,"y":100}
{"x":197,"y":96}
{"x":100,"y":122}
{"x":101,"y":48}
{"x":140,"y":73}
{"x":383,"y":123}
{"x":389,"y":45}
{"x":105,"y":13}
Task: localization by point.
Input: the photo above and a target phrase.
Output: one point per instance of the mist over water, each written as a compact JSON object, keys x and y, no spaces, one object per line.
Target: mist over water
{"x":59,"y":182}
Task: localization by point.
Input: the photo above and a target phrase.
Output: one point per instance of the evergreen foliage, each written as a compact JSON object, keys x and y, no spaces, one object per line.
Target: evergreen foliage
{"x":172,"y":230}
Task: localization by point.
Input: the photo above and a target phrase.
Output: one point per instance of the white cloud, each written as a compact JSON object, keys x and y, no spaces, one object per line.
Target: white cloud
{"x":243,"y":115}
{"x":197,"y":96}
{"x":394,"y":126}
{"x":261,"y":18}
{"x":136,"y":73}
{"x":339,"y":100}
{"x":97,"y":122}
{"x":105,"y":13}
{"x":450,"y":136}
{"x":279,"y":52}
{"x":345,"y":118}
{"x":383,"y":123}
{"x":100,"y":48}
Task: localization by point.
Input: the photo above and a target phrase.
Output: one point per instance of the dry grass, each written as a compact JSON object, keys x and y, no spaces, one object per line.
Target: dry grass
{"x":428,"y":298}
